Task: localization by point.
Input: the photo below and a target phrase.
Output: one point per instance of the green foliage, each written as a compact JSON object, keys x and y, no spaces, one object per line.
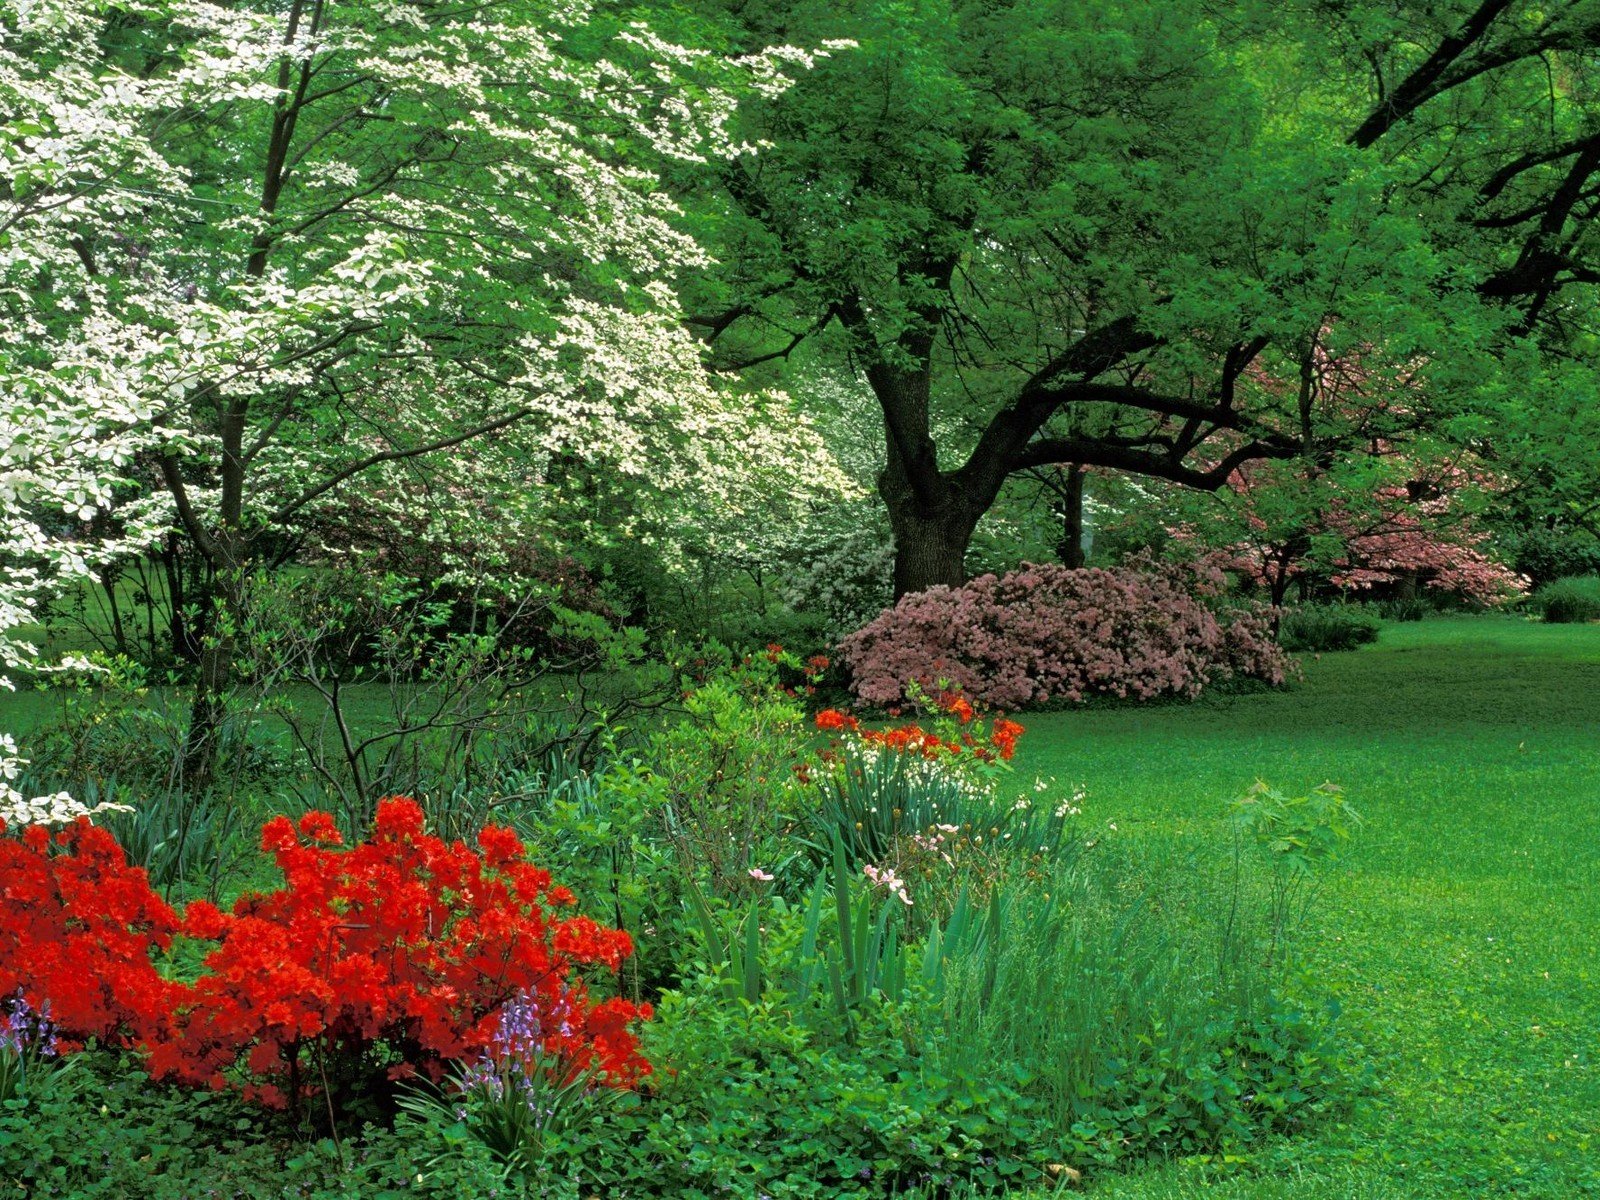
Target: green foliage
{"x":852,"y":947}
{"x":518,"y":1117}
{"x":1545,"y":554}
{"x":1298,"y":837}
{"x":188,"y":844}
{"x":877,"y":801}
{"x":1411,"y":608}
{"x":1317,"y":628}
{"x":756,"y":1103}
{"x":1114,"y":999}
{"x":1573,"y":600}
{"x":722,"y":772}
{"x":108,"y":723}
{"x":107,"y":1134}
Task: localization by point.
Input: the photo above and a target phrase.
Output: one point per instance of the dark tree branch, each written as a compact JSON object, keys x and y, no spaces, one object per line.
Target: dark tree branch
{"x":383,"y":456}
{"x":1425,"y":81}
{"x":1094,"y":452}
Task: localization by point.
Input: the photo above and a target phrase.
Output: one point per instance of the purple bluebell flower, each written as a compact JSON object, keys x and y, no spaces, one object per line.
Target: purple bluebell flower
{"x":23,"y":1030}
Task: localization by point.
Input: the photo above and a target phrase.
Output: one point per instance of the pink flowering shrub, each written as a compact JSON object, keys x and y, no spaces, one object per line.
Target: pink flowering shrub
{"x":1048,"y":633}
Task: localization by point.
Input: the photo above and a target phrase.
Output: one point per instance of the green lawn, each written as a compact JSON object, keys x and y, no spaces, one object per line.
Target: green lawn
{"x":1462,"y":935}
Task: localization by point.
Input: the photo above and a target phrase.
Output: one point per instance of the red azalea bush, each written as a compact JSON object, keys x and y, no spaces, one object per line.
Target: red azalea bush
{"x":1044,"y":633}
{"x":77,"y":928}
{"x":395,"y":953}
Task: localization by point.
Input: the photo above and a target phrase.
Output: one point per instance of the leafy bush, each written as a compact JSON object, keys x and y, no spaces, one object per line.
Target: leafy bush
{"x":110,"y":724}
{"x":1570,"y":601}
{"x":1545,"y":555}
{"x":181,"y":840}
{"x":1066,"y":1020}
{"x":1045,"y":633}
{"x":1318,"y":628}
{"x":1412,"y":608}
{"x":758,"y":1104}
{"x":390,"y":956}
{"x":1131,"y":994}
{"x":1296,"y":836}
{"x":906,"y":799}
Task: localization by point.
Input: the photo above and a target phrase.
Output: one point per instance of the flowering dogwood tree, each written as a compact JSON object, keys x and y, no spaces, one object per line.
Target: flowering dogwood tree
{"x":255,"y":252}
{"x":1413,"y":526}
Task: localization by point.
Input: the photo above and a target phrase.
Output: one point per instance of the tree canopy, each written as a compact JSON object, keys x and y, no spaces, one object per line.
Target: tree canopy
{"x":1079,"y":226}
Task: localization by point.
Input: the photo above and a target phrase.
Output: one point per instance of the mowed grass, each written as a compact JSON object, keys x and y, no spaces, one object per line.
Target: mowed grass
{"x":1462,"y":934}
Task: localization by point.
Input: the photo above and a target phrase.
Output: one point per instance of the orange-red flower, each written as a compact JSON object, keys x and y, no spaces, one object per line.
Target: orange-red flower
{"x":403,"y":944}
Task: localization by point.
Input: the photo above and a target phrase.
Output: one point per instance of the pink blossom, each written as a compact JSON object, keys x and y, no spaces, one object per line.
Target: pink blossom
{"x":1044,"y":632}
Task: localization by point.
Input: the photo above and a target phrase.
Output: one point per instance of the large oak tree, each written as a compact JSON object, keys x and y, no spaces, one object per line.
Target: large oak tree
{"x":1077,"y":226}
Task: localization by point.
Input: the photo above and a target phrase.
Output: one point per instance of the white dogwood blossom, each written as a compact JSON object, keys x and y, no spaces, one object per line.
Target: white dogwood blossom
{"x":273,"y":248}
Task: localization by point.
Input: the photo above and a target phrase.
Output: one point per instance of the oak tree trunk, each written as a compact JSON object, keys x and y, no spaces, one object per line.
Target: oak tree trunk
{"x":929,"y":549}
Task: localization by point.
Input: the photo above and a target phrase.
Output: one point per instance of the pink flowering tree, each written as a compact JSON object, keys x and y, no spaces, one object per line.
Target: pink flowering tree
{"x":1390,"y":524}
{"x":1402,"y":513}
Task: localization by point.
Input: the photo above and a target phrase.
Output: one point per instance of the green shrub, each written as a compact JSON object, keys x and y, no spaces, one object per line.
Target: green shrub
{"x":187,"y":844}
{"x":1546,"y":555}
{"x":1317,"y":628}
{"x":1570,"y":601}
{"x":753,"y":1102}
{"x":1134,"y":997}
{"x":1412,"y":608}
{"x":876,"y":800}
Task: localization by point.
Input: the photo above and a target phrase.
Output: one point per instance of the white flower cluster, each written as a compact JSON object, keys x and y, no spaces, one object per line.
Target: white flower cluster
{"x":498,"y":193}
{"x":17,"y":810}
{"x":919,"y":770}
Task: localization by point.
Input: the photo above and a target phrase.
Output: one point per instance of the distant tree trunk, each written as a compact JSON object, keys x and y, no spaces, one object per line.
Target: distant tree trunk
{"x":1069,"y":506}
{"x":183,"y":627}
{"x":218,"y":652}
{"x":108,"y":585}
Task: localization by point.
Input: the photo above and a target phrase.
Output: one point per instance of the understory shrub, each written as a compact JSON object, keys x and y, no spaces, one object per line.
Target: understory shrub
{"x":1405,"y":609}
{"x":1318,"y":628}
{"x":1572,"y":600}
{"x":1046,"y":632}
{"x":1546,"y":555}
{"x":906,"y":796}
{"x":106,"y":1134}
{"x":370,"y":963}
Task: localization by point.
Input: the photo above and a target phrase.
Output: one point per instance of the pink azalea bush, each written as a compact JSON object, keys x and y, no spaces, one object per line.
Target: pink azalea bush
{"x":1047,"y":633}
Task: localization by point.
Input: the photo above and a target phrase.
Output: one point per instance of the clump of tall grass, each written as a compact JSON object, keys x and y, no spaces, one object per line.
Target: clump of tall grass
{"x":1569,"y":601}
